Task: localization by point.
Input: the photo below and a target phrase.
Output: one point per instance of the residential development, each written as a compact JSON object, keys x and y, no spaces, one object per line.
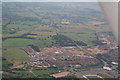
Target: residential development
{"x":57,"y":40}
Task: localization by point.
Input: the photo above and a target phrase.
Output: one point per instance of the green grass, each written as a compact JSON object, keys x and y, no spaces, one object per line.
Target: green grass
{"x":19,"y":74}
{"x":44,"y":73}
{"x":15,"y":54}
{"x":80,"y":34}
{"x":27,"y":74}
{"x":24,"y":74}
{"x":62,"y":58}
{"x":19,"y":42}
{"x":104,"y":75}
{"x":6,"y":64}
{"x":19,"y":26}
{"x":16,"y":42}
{"x":95,"y":79}
{"x":25,"y":18}
{"x":18,"y":33}
{"x":26,"y":22}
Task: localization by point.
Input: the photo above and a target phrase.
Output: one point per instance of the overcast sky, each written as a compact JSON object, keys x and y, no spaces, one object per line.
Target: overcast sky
{"x":49,"y":0}
{"x":55,"y":0}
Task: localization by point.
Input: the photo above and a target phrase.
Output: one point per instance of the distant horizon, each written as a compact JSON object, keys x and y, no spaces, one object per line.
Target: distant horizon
{"x":59,"y":1}
{"x":49,"y":1}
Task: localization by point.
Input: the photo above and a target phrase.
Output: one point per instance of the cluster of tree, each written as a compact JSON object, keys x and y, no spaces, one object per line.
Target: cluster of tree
{"x":21,"y":36}
{"x":36,"y":48}
{"x":98,"y":42}
{"x":28,"y":34}
{"x":18,"y":37}
{"x":6,"y":65}
{"x":62,"y":40}
{"x":5,"y":25}
{"x":100,"y":57}
{"x":81,"y":43}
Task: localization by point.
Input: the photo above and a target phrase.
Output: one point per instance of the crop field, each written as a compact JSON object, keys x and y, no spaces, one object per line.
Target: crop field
{"x":19,"y":74}
{"x":18,"y":33}
{"x":43,"y":33}
{"x":14,"y":52}
{"x":20,"y":54}
{"x":15,"y":55}
{"x":45,"y":73}
{"x":17,"y":42}
{"x":49,"y":38}
{"x":80,"y":34}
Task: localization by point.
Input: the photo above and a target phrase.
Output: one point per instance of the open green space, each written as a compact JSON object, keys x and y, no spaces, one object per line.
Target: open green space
{"x":45,"y":73}
{"x":45,"y":25}
{"x":80,"y":34}
{"x":19,"y":74}
{"x":19,"y":42}
{"x":95,"y":79}
{"x":15,"y":56}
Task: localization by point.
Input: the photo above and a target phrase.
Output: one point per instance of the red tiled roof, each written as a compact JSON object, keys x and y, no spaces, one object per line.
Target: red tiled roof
{"x":62,"y":74}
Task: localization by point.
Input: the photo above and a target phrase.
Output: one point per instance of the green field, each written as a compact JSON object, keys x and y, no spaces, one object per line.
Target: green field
{"x":44,"y":25}
{"x":45,"y":73}
{"x":80,"y":34}
{"x":19,"y":42}
{"x":95,"y":79}
{"x":19,"y":74}
{"x":13,"y":48}
{"x":17,"y":52}
{"x":15,"y":55}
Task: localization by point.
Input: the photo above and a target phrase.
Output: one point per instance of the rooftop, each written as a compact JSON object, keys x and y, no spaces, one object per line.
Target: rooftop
{"x":62,"y":74}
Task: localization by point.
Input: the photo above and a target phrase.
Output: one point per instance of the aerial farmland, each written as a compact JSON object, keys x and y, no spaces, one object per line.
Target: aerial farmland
{"x":44,"y":40}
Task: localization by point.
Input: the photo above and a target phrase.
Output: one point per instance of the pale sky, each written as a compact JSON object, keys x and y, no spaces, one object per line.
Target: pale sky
{"x":59,"y":0}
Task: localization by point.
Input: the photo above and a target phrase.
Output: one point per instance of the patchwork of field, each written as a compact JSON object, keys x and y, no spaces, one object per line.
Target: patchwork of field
{"x":40,"y":35}
{"x":45,"y":34}
{"x":41,"y":72}
{"x":80,"y":34}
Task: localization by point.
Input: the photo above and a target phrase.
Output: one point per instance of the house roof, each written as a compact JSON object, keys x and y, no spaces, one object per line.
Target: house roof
{"x":58,"y":75}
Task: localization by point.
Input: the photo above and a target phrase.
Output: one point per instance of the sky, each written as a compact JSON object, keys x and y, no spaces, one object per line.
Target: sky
{"x":59,"y":0}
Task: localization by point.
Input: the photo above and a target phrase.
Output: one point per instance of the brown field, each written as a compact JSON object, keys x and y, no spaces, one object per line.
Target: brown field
{"x":76,"y":52}
{"x":97,"y":51}
{"x":97,"y":23}
{"x":65,"y":22}
{"x":19,"y":66}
